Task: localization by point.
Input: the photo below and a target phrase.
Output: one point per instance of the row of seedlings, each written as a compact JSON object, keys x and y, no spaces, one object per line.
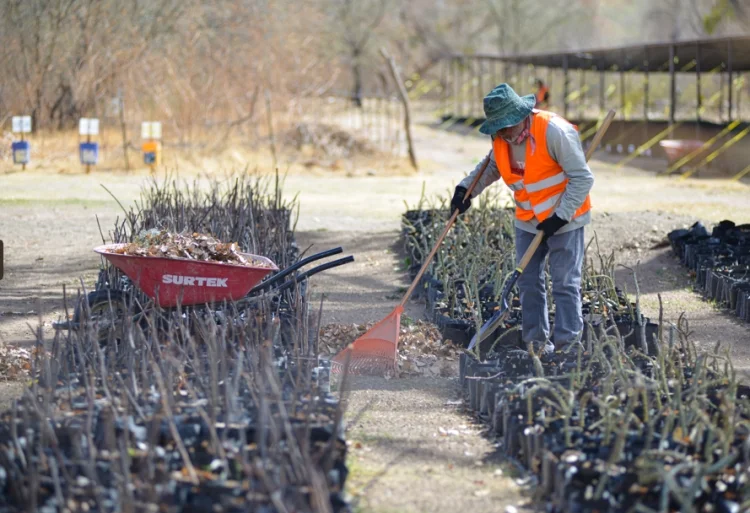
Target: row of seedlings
{"x":202,"y":417}
{"x":719,"y":263}
{"x":462,"y":283}
{"x":192,"y":412}
{"x":608,"y":428}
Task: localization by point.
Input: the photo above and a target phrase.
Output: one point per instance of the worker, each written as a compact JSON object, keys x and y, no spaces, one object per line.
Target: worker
{"x":542,"y":95}
{"x":539,"y":156}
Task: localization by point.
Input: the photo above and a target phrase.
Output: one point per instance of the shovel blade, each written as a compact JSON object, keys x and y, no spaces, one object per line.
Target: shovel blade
{"x":488,"y":328}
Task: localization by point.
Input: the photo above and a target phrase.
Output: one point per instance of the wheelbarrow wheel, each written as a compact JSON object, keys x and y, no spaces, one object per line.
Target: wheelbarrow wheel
{"x":103,"y":311}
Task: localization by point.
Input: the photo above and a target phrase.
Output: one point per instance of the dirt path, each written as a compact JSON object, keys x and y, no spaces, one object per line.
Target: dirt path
{"x":414,"y":450}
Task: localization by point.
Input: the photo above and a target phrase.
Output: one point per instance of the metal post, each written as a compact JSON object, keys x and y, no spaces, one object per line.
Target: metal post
{"x":444,"y":86}
{"x":672,"y":85}
{"x":721,"y":93}
{"x":565,"y":86}
{"x":740,"y":82}
{"x":475,"y":85}
{"x":622,"y":92}
{"x":480,"y":85}
{"x":729,"y":76}
{"x":581,"y":92}
{"x":699,"y":99}
{"x":645,"y":85}
{"x":456,"y":86}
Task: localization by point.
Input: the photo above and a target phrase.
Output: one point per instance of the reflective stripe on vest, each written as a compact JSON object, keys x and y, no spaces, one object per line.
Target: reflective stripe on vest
{"x":547,"y":182}
{"x":526,"y":205}
{"x":546,"y":204}
{"x":516,"y":186}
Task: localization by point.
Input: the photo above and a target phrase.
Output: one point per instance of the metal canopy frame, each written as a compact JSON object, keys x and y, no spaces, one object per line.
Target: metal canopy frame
{"x":714,"y":52}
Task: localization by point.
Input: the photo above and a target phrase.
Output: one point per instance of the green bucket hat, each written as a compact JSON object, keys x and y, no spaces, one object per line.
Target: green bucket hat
{"x":503,"y":108}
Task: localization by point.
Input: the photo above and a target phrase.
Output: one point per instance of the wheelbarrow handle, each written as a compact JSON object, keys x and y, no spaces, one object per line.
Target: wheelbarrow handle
{"x":289,"y":270}
{"x":315,"y":270}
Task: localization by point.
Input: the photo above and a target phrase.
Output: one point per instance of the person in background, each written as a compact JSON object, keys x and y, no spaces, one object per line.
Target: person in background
{"x":542,"y":95}
{"x":539,"y":156}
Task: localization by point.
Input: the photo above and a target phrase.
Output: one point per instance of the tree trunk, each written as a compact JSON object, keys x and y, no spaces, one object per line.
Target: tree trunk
{"x":405,"y":100}
{"x":124,"y":129}
{"x":357,"y":92}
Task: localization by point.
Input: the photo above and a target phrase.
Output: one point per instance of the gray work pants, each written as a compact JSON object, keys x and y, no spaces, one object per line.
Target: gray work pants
{"x":565,"y":251}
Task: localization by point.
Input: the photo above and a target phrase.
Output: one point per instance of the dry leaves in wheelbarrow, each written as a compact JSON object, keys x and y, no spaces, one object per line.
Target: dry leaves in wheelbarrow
{"x":193,"y":246}
{"x":421,"y":349}
{"x":15,"y":362}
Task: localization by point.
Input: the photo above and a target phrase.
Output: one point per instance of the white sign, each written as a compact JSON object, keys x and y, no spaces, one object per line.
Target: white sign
{"x":151,"y":130}
{"x":88,"y":126}
{"x":21,"y":124}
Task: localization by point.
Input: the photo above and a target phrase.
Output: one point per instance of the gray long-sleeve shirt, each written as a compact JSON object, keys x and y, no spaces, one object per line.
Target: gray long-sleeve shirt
{"x":564,"y":146}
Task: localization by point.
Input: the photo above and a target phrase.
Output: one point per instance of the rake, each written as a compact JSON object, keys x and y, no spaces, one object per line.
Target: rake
{"x":375,"y":352}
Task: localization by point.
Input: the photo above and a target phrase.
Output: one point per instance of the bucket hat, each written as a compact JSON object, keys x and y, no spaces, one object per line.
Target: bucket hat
{"x":503,"y":108}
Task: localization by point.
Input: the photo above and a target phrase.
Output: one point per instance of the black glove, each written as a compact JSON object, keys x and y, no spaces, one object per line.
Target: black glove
{"x":458,"y":200}
{"x":550,"y":226}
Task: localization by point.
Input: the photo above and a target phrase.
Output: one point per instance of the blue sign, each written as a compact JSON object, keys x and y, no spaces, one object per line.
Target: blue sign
{"x":89,"y":153}
{"x":149,"y":158}
{"x":21,"y":152}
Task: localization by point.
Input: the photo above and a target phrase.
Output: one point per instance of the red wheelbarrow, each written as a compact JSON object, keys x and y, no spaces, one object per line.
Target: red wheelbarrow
{"x":172,"y":282}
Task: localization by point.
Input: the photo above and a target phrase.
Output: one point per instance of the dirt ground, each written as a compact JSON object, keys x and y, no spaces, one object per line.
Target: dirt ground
{"x":401,"y":460}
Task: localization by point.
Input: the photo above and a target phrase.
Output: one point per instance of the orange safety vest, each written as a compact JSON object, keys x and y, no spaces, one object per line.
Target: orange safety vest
{"x":541,"y":94}
{"x":536,"y":191}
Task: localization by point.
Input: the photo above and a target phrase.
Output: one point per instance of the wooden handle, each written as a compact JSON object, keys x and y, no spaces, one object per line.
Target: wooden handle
{"x":448,"y":226}
{"x":540,"y":235}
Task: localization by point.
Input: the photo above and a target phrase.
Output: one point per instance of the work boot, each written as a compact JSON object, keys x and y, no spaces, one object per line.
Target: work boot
{"x":541,"y":348}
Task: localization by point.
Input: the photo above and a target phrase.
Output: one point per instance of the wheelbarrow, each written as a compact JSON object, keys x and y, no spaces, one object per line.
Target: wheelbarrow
{"x":172,"y":283}
{"x":675,"y":149}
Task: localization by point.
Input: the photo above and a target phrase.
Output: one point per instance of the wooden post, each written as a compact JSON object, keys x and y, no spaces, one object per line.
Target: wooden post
{"x":23,"y":164}
{"x":672,"y":85}
{"x":729,"y":77}
{"x":565,"y":86}
{"x":405,"y":101}
{"x":88,"y":141}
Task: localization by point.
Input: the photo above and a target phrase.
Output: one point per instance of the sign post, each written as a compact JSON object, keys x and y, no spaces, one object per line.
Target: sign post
{"x":89,"y":151}
{"x":151,"y":147}
{"x":21,"y":149}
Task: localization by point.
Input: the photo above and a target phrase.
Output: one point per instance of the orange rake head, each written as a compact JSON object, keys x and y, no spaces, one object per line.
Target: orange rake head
{"x":374,"y":353}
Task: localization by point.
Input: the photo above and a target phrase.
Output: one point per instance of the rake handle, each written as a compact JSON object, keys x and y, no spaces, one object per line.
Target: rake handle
{"x":447,"y":228}
{"x":538,"y":238}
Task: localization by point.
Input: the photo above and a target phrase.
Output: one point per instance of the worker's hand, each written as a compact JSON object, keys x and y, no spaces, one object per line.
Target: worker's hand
{"x":550,"y":226}
{"x":458,"y":200}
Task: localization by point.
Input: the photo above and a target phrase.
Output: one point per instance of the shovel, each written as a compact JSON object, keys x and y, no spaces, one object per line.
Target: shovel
{"x":501,"y":315}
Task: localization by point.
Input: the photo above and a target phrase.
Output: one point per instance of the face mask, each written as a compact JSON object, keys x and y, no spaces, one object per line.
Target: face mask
{"x":522,"y":135}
